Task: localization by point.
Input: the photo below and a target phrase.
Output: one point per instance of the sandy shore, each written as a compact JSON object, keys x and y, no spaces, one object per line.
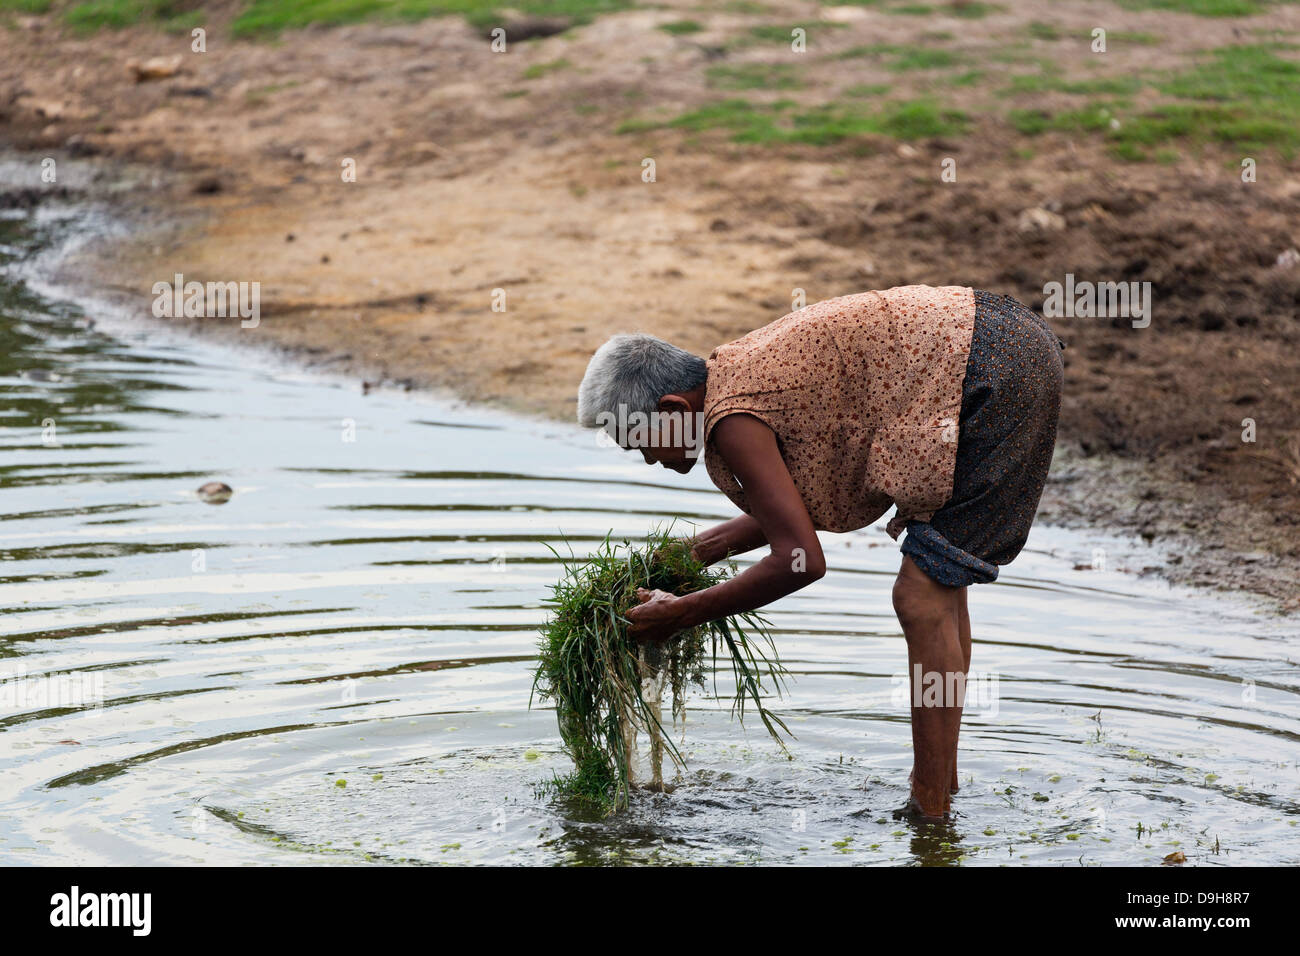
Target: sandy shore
{"x":499,"y":228}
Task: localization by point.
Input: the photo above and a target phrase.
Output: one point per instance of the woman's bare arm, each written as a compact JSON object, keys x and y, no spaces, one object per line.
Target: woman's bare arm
{"x":749,"y":448}
{"x":737,"y":536}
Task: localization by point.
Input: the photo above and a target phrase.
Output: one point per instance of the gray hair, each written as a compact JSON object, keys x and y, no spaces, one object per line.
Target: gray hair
{"x":635,"y":371}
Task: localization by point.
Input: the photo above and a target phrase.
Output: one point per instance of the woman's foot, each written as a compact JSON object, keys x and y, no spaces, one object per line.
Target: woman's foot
{"x":915,"y":812}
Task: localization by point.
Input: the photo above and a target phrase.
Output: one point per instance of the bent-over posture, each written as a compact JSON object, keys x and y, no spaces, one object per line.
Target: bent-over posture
{"x":940,"y":402}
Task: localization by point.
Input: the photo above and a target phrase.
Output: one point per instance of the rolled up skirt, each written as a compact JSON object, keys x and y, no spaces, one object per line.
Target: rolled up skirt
{"x":1011,"y":400}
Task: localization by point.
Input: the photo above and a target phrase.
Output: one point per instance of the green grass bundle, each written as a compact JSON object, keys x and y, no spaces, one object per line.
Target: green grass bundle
{"x":606,"y":686}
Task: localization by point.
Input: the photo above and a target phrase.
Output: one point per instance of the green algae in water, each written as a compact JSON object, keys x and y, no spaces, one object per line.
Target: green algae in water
{"x":606,"y":686}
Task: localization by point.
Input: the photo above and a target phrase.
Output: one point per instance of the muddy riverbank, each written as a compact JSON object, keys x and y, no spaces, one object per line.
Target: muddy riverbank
{"x":1171,"y":531}
{"x":516,"y":183}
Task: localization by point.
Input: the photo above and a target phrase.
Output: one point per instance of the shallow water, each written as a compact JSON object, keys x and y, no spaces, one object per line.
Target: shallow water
{"x":335,"y":665}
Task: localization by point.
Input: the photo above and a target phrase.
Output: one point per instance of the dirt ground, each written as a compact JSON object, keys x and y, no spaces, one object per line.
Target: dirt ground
{"x":478,"y":172}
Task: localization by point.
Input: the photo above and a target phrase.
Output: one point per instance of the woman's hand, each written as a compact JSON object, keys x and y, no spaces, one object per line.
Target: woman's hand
{"x":658,"y":616}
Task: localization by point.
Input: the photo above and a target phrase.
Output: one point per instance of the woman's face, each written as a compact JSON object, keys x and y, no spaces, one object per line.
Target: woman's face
{"x":672,"y":437}
{"x":671,"y":457}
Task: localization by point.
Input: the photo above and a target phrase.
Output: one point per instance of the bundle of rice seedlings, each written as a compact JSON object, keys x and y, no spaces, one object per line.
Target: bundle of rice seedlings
{"x":606,"y":686}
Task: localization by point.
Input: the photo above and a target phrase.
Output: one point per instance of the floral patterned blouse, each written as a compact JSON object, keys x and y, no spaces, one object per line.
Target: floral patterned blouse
{"x":863,"y":393}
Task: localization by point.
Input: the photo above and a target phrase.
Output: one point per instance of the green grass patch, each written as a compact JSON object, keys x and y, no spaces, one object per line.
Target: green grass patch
{"x":116,"y":14}
{"x":862,"y":91}
{"x":592,"y":669}
{"x":1240,"y":74}
{"x":1246,"y":97}
{"x":754,"y":76}
{"x":681,"y":27}
{"x":25,"y":6}
{"x":969,"y":78}
{"x":1128,"y":151}
{"x":1052,"y":82}
{"x":1246,"y":131}
{"x":539,"y":70}
{"x":775,"y":33}
{"x":972,"y":11}
{"x":1013,"y":51}
{"x":268,"y":17}
{"x":1135,"y":37}
{"x":924,"y":58}
{"x":1204,"y":8}
{"x":1044,"y":31}
{"x":1088,"y":119}
{"x":786,"y":122}
{"x":901,"y":59}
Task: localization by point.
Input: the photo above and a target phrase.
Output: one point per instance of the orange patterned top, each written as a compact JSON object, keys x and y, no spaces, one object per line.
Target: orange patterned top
{"x":863,"y":393}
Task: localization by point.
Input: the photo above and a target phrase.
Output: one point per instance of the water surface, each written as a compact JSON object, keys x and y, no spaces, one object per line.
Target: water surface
{"x":334,"y":666}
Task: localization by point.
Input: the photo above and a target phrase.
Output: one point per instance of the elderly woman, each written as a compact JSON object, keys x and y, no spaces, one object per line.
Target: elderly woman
{"x":942,"y":402}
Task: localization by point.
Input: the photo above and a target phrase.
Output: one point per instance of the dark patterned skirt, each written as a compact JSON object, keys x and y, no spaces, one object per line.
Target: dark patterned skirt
{"x":1010,"y":401}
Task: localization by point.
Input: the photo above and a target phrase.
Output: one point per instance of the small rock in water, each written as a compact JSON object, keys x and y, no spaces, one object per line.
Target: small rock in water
{"x":215,"y":493}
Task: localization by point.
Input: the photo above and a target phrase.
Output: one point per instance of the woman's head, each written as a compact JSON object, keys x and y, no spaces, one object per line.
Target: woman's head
{"x":648,"y":395}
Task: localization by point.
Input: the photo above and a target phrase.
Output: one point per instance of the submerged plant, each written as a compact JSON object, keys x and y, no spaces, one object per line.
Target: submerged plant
{"x":606,"y":687}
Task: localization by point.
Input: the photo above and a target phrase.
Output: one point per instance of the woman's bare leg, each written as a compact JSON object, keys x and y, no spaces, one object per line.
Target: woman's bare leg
{"x":963,"y":638}
{"x":928,"y":612}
